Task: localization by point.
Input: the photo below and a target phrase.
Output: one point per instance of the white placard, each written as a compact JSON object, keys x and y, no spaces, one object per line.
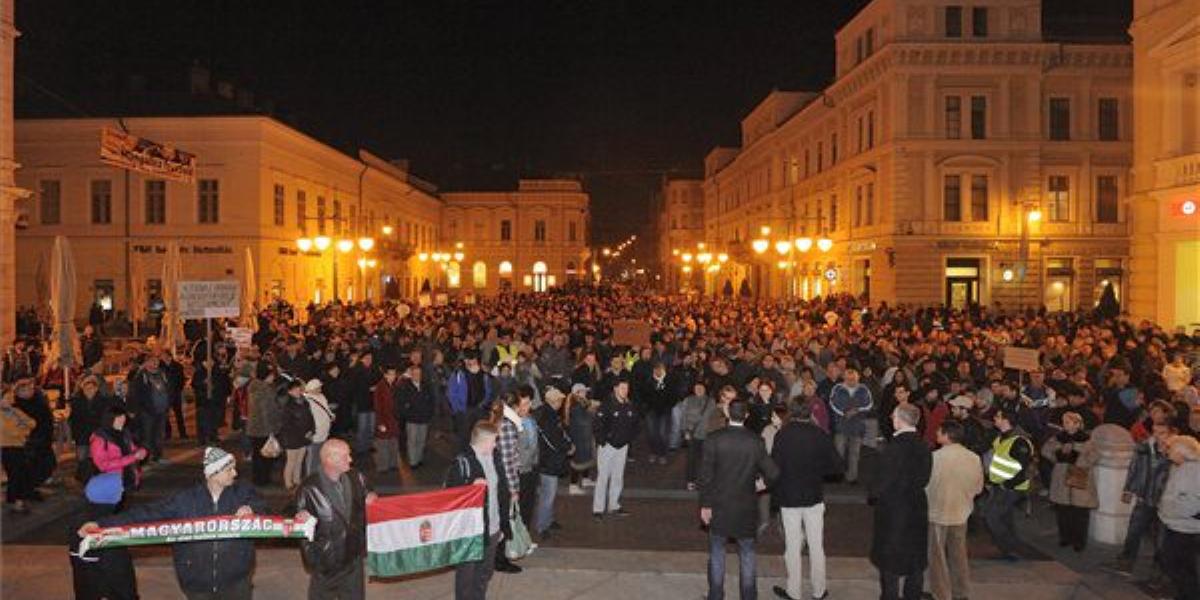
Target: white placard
{"x":1022,"y":359}
{"x":242,"y":337}
{"x":210,"y":299}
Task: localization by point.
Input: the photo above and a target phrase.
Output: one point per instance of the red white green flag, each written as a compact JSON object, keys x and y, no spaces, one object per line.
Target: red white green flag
{"x":421,"y":532}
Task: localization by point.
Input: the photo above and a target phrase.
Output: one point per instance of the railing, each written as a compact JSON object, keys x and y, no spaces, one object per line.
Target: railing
{"x":1178,"y":171}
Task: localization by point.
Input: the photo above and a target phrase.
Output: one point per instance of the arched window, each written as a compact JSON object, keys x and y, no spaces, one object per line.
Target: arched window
{"x":539,"y":267}
{"x":453,"y":275}
{"x":479,"y":274}
{"x":506,"y":268}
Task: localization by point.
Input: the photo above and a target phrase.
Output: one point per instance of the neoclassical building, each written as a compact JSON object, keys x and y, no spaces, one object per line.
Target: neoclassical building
{"x":525,"y":240}
{"x":1164,"y":199}
{"x":261,"y":186}
{"x":9,"y":191}
{"x":679,"y":213}
{"x":958,"y":156}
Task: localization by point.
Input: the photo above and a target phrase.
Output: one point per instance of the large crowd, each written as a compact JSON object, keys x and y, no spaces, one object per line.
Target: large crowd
{"x":765,"y":401}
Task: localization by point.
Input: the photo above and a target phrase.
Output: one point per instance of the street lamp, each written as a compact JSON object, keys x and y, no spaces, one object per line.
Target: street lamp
{"x":824,"y":244}
{"x":345,"y":245}
{"x":366,"y":243}
{"x":722,"y":258}
{"x":321,"y":243}
{"x":804,"y":244}
{"x":304,"y":244}
{"x":760,"y":245}
{"x":388,"y":230}
{"x":783,"y":247}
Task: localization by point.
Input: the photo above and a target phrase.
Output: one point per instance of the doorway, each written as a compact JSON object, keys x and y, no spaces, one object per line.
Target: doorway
{"x":962,"y":282}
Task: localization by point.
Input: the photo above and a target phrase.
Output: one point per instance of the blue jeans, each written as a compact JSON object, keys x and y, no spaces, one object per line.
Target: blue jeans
{"x":543,"y":513}
{"x":364,"y":432}
{"x":1142,"y":521}
{"x":658,"y":429}
{"x":152,"y":432}
{"x":716,"y":567}
{"x":676,"y":439}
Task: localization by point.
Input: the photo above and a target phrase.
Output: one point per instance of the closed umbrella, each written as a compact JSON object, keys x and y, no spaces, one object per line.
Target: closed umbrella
{"x":172,"y":328}
{"x":249,"y":293}
{"x":64,"y":338}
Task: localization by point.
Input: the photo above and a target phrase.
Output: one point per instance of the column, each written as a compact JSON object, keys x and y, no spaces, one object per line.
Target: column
{"x":9,"y":192}
{"x":1111,"y":519}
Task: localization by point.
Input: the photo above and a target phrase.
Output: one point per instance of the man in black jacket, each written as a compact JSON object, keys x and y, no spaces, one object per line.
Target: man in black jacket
{"x":337,"y":496}
{"x":805,"y":455}
{"x":616,"y":426}
{"x":480,"y":464}
{"x":414,"y":405}
{"x":735,"y":460}
{"x":899,"y":544}
{"x":208,"y":570}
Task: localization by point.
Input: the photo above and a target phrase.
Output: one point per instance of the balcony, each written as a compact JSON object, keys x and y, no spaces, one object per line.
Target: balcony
{"x":1178,"y":171}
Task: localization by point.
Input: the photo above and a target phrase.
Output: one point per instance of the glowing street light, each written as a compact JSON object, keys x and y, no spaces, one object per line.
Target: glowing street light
{"x":366,"y":243}
{"x":1035,"y":216}
{"x":783,"y":246}
{"x":824,"y":244}
{"x":760,"y":245}
{"x":687,"y":257}
{"x":304,"y":244}
{"x":1008,"y":275}
{"x":345,"y":246}
{"x":722,"y":258}
{"x":388,"y":230}
{"x":804,"y":244}
{"x":321,"y":243}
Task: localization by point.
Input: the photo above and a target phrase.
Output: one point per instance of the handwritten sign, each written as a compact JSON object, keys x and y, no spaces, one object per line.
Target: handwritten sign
{"x":210,"y":299}
{"x":631,"y":332}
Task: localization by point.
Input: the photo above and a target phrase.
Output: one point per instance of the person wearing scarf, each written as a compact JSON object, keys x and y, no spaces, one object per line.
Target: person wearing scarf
{"x":113,"y":450}
{"x":1069,"y":448}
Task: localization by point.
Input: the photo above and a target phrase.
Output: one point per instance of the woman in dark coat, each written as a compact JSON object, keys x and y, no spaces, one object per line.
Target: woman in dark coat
{"x":899,"y":546}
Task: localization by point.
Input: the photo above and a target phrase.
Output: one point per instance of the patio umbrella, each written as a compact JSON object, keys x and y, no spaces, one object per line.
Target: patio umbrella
{"x":172,"y":328}
{"x":249,"y":293}
{"x":63,"y":339}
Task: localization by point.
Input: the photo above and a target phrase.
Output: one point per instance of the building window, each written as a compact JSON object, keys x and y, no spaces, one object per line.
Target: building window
{"x":979,"y":21}
{"x":1058,"y":199}
{"x":807,"y":161}
{"x":301,"y":212}
{"x":156,"y":202}
{"x":870,"y":43}
{"x":320,"y":215}
{"x":952,"y":198}
{"x":979,"y":198}
{"x":505,"y":269}
{"x":337,"y":217}
{"x":858,"y":206}
{"x":870,"y":220}
{"x":861,"y":138}
{"x":539,"y":231}
{"x":102,"y":201}
{"x":953,"y":117}
{"x":870,"y":129}
{"x":833,"y":149}
{"x":506,"y":230}
{"x":978,"y":117}
{"x":280,"y":205}
{"x":820,"y":156}
{"x":209,"y":203}
{"x":454,"y":275}
{"x":479,"y":275}
{"x":833,"y":212}
{"x":859,"y":51}
{"x":50,"y":200}
{"x":953,"y":21}
{"x":352,"y":224}
{"x":1108,"y":127}
{"x":1106,"y":199}
{"x":1060,"y":119}
{"x":571,"y":231}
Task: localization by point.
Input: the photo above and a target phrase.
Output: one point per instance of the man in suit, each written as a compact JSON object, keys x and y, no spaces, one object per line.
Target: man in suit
{"x":734,"y":460}
{"x":899,"y":546}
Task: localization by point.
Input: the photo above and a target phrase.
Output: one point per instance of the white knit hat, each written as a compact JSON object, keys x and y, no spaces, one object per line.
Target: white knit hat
{"x":215,"y":460}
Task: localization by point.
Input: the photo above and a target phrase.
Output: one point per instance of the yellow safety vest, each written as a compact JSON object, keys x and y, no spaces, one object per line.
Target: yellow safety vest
{"x":1003,"y":466}
{"x":506,"y":355}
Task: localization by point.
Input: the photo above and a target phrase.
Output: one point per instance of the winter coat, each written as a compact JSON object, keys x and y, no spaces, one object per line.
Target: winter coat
{"x":1081,"y":453}
{"x":582,"y":434}
{"x":458,"y":391}
{"x":805,"y":455}
{"x":527,"y":445}
{"x":616,"y":424}
{"x":1147,"y":474}
{"x":341,"y":538}
{"x":387,"y":425}
{"x":265,"y":411}
{"x":1180,"y":502}
{"x":86,"y":415}
{"x":110,"y":457}
{"x":297,"y":424}
{"x":697,"y":412}
{"x":209,"y":566}
{"x":734,"y":459}
{"x":554,"y":447}
{"x":465,"y":469}
{"x":414,"y":403}
{"x":900,"y":540}
{"x":322,"y":416}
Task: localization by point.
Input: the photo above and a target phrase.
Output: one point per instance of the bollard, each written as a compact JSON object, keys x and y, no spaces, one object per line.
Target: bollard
{"x":1110,"y":520}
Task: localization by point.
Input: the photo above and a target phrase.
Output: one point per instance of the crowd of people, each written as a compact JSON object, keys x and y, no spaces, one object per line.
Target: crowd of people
{"x":765,"y":401}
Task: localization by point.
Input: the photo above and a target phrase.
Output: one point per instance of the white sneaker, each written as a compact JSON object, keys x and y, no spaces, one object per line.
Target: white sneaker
{"x":575,"y":490}
{"x":588,"y":483}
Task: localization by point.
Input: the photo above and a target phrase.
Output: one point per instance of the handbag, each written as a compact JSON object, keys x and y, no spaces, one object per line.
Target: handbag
{"x":1077,"y":477}
{"x":271,"y":448}
{"x":520,"y":544}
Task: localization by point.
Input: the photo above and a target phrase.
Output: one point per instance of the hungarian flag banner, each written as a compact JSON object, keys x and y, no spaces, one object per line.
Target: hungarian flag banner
{"x":197,"y":530}
{"x":421,"y":532}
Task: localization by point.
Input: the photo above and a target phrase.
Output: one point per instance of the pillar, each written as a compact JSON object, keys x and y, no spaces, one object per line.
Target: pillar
{"x":1111,"y":519}
{"x":9,"y":192}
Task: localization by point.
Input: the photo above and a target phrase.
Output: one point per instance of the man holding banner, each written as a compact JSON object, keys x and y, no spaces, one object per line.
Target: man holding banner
{"x":480,"y":464}
{"x":206,"y":570}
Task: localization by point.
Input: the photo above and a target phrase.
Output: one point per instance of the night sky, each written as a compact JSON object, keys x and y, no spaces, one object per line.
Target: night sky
{"x":475,"y":94}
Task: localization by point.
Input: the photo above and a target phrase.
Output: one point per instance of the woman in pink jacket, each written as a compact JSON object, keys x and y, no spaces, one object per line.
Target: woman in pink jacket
{"x":113,"y":449}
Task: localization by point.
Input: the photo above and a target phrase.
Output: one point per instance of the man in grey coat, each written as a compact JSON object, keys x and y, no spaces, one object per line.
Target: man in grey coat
{"x":734,"y":467}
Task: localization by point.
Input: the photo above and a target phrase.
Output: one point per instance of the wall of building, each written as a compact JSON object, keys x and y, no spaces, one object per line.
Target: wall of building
{"x":9,"y":192}
{"x":866,"y":165}
{"x":1166,"y":163}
